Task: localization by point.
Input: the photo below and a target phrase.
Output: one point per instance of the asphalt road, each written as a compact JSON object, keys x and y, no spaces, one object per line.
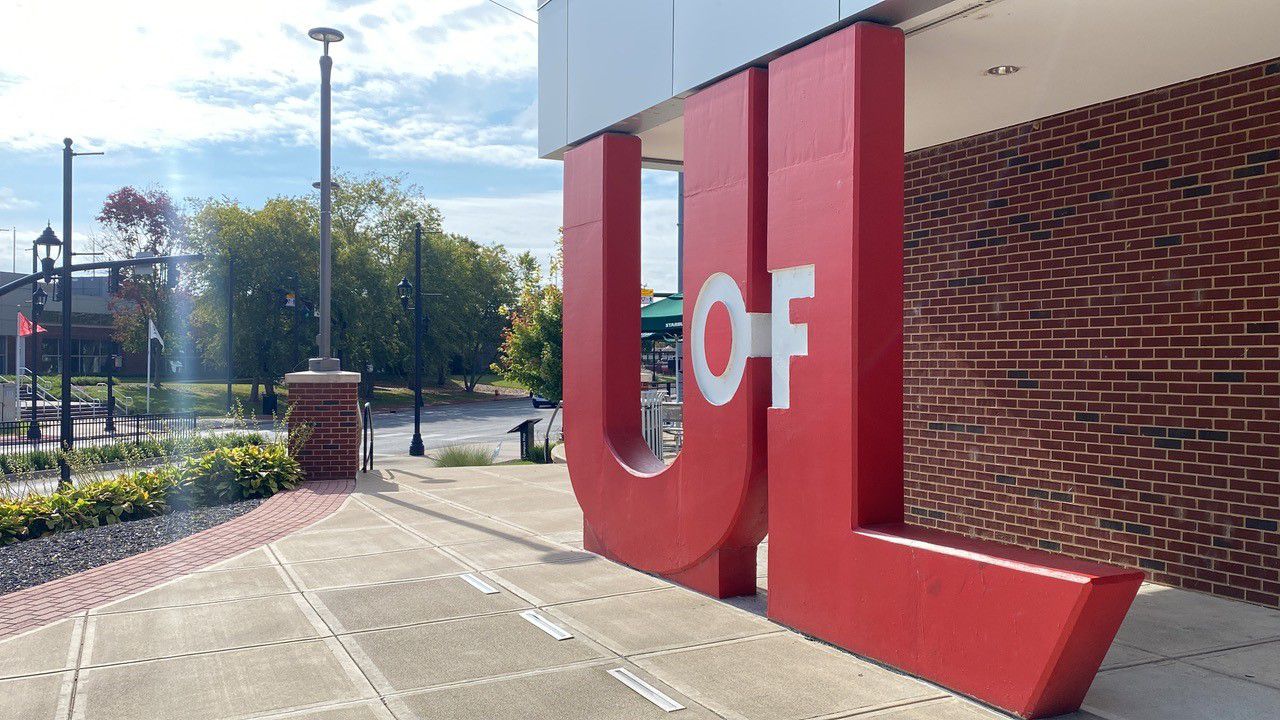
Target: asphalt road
{"x":479,"y":423}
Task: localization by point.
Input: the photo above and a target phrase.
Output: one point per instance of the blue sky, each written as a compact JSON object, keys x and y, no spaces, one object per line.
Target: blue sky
{"x":221,"y":98}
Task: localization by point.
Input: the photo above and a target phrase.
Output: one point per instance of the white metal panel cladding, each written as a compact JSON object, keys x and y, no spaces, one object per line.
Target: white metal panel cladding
{"x":744,"y":30}
{"x":623,"y":65}
{"x":619,"y":60}
{"x":553,"y":77}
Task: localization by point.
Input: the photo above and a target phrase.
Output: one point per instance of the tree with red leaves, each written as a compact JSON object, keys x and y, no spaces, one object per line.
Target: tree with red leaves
{"x":136,"y":221}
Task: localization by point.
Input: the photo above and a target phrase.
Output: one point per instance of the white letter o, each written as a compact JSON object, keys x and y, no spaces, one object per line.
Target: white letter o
{"x":720,"y":389}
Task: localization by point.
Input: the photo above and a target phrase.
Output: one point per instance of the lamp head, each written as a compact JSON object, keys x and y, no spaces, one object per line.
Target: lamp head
{"x":326,"y":36}
{"x":405,"y":287}
{"x":38,"y":300}
{"x":48,"y":240}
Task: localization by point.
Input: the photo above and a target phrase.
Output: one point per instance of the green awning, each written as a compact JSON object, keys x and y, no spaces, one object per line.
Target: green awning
{"x":663,"y":317}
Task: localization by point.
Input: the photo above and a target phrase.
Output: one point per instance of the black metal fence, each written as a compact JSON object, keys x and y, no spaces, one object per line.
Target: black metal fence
{"x":16,"y":438}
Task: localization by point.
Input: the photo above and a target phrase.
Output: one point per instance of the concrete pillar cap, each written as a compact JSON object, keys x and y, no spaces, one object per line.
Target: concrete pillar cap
{"x":322,"y":377}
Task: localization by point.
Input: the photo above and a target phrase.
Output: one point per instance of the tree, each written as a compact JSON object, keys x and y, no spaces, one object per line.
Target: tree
{"x":532,"y":349}
{"x":134,"y":222}
{"x":272,"y":248}
{"x":477,"y":285}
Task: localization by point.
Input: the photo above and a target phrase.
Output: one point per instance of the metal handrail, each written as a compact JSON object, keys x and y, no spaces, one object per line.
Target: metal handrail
{"x":366,"y":438}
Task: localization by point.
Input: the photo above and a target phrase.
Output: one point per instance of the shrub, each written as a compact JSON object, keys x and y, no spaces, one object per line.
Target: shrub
{"x":125,"y":451}
{"x":223,"y":474}
{"x":464,"y":455}
{"x":537,"y":453}
{"x":230,"y":474}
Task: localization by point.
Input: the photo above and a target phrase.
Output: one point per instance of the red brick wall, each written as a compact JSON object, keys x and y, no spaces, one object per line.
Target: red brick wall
{"x":1092,"y":334}
{"x":331,"y":418}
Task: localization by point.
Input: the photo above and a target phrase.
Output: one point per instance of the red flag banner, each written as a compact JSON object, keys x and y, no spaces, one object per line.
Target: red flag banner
{"x":26,"y":327}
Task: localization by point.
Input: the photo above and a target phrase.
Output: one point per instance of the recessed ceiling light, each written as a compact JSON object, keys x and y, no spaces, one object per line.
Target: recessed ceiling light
{"x":1003,"y":70}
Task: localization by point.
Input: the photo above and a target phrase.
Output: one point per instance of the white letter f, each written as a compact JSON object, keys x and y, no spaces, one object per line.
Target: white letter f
{"x":789,"y":339}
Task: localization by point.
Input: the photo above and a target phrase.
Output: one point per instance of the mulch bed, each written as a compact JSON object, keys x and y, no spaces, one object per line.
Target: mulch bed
{"x":32,"y":562}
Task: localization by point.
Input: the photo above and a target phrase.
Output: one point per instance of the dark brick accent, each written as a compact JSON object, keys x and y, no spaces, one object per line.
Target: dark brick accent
{"x":1157,"y":164}
{"x":1111,"y":525}
{"x":1228,"y":377}
{"x":1213,"y":435}
{"x":1185,"y":181}
{"x":1262,"y":328}
{"x":1260,"y":524}
{"x":1100,"y":195}
{"x":1049,"y":545}
{"x":1248,"y":172}
{"x":1149,"y":564}
{"x":1137,"y":528}
{"x":1062,"y":497}
{"x":1086,"y":417}
{"x":997,"y":203}
{"x":1168,"y":443}
{"x":1006,"y":480}
{"x":1089,"y":145}
{"x":1265,"y":156}
{"x":1168,"y":241}
{"x":1195,"y":192}
{"x":1028,"y":384}
{"x":1037,"y":493}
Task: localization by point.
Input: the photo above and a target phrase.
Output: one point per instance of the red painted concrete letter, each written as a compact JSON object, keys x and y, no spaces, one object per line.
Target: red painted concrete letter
{"x":699,"y":520}
{"x":1020,"y":629}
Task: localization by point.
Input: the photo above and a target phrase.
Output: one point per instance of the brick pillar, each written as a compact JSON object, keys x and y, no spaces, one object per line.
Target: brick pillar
{"x":327,"y":405}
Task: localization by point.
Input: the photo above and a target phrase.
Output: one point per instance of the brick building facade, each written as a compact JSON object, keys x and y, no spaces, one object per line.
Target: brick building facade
{"x":1092,"y":341}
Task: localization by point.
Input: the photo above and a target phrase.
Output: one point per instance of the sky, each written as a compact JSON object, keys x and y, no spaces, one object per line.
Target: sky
{"x":212,"y":99}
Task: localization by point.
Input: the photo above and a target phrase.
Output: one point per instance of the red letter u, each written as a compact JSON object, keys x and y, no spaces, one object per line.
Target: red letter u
{"x":699,"y":520}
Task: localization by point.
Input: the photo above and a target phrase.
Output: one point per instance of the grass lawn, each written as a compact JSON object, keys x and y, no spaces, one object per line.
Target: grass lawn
{"x":209,"y":398}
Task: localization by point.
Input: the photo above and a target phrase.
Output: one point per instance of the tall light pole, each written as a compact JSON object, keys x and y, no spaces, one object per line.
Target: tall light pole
{"x":326,"y":361}
{"x":64,"y":280}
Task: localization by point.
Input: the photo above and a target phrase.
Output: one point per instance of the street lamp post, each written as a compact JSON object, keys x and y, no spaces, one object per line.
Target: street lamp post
{"x":64,"y":283}
{"x":38,"y":299}
{"x":325,"y":361}
{"x":415,"y":446}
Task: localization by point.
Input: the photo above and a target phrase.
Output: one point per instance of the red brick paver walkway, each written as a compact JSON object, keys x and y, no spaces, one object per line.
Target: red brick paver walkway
{"x":278,"y":516}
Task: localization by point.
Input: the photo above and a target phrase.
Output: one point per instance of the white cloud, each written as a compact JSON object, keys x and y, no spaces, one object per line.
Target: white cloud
{"x":10,"y":201}
{"x":159,"y":75}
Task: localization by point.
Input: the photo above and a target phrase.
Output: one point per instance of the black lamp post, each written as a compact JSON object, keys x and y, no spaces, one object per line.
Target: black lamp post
{"x":38,"y":299}
{"x":415,"y":446}
{"x":49,"y":241}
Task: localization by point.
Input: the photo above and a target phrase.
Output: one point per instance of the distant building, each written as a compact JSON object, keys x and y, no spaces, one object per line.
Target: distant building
{"x":91,"y":331}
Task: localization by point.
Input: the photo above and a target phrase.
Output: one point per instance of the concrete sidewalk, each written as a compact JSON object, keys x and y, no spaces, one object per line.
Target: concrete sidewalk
{"x":448,"y":593}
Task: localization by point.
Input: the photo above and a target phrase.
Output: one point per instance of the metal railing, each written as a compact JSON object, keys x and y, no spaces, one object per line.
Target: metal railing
{"x":651,"y":420}
{"x":91,"y":431}
{"x":366,"y":438}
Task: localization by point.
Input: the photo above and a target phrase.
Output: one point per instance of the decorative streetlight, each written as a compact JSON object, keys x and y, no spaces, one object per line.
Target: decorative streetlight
{"x":416,"y":447}
{"x":38,"y":299}
{"x":48,"y":240}
{"x":325,"y":361}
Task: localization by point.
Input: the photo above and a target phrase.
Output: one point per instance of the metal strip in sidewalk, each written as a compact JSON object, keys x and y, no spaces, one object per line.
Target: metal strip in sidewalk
{"x":645,"y":690}
{"x":479,"y":584}
{"x":546,"y":625}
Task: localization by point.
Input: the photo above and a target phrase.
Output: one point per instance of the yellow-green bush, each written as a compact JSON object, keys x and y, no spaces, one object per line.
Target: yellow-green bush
{"x":222,"y":475}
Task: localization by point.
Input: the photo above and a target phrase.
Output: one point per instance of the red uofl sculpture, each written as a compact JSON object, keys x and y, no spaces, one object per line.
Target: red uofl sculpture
{"x":1020,"y":629}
